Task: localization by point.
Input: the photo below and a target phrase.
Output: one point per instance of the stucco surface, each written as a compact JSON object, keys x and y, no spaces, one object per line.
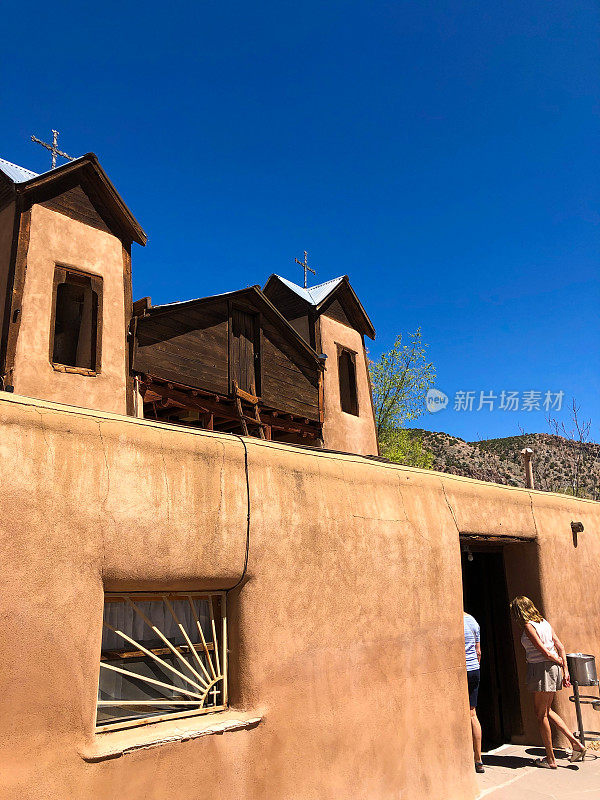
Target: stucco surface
{"x":570,"y":581}
{"x":346,"y":636}
{"x":342,"y":431}
{"x":58,"y":239}
{"x":7,"y":218}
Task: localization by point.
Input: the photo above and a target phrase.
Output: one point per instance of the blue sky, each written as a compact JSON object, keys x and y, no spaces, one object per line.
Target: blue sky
{"x":442,"y":154}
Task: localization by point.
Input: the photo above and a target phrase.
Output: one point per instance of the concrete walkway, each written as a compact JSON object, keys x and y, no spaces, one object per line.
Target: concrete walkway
{"x":510,"y":776}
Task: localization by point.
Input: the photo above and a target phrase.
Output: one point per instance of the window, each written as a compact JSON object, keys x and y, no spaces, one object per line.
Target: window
{"x":347,"y":377}
{"x":163,"y":655}
{"x":76,"y":325}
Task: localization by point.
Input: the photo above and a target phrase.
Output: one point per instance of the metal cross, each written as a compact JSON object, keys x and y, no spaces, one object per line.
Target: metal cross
{"x":53,"y":148}
{"x":306,"y":267}
{"x":215,"y":693}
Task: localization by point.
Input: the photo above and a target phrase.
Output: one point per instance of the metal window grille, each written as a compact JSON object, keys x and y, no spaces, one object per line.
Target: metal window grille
{"x":164,"y":655}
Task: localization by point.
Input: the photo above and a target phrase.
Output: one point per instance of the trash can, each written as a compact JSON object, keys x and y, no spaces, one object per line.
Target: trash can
{"x":582,"y":667}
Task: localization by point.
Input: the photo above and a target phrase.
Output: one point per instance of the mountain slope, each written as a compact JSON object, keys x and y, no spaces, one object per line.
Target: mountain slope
{"x":556,"y":461}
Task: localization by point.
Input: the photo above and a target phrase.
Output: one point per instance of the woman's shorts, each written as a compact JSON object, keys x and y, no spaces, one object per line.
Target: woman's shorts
{"x":544,"y":676}
{"x":473,"y":677}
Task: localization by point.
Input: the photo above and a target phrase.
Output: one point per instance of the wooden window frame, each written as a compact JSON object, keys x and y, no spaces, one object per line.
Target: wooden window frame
{"x":61,"y":272}
{"x":353,"y":354}
{"x":202,"y":678}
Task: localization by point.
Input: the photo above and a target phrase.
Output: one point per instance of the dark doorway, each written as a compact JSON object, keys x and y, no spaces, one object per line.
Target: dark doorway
{"x":485,"y":596}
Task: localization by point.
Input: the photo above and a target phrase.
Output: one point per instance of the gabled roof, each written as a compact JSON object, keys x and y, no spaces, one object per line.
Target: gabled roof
{"x":26,"y":182}
{"x":256,"y":294}
{"x":320,"y":295}
{"x":313,"y":294}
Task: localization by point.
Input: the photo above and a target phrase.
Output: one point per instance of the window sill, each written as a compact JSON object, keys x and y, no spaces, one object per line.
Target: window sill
{"x":75,"y":370}
{"x":118,"y":743}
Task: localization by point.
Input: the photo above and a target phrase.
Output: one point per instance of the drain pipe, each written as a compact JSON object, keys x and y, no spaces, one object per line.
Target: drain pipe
{"x":526,"y":454}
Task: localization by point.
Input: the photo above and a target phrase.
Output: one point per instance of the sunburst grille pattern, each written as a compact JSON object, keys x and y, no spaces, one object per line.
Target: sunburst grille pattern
{"x":163,"y":655}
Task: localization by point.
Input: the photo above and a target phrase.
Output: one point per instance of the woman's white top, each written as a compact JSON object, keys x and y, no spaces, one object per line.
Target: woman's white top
{"x":544,"y":631}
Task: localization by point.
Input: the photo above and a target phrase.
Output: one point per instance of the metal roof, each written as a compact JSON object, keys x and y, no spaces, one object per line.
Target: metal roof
{"x":15,"y":173}
{"x":196,"y":299}
{"x":317,"y":296}
{"x":313,"y":294}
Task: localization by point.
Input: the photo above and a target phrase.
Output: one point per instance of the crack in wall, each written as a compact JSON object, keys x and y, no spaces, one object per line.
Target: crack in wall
{"x":533,"y":517}
{"x":105,"y":501}
{"x":450,"y":507}
{"x":43,"y":427}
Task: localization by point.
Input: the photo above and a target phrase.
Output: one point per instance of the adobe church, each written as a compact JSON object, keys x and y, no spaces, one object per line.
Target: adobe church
{"x":211,"y":585}
{"x":287,"y":363}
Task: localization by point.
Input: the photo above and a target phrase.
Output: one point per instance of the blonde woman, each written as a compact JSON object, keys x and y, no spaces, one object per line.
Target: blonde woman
{"x":547,"y":673}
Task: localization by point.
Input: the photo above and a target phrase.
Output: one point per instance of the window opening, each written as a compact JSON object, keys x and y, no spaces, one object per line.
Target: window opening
{"x":347,"y":379}
{"x":163,"y":655}
{"x":76,"y":320}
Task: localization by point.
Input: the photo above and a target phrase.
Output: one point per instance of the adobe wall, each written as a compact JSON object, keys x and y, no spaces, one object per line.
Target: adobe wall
{"x":342,"y":431}
{"x":570,"y":581}
{"x":58,"y":239}
{"x":7,"y":220}
{"x":346,"y":636}
{"x":562,"y":579}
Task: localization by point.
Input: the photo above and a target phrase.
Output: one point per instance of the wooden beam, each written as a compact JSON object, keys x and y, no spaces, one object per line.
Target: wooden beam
{"x":112,"y":655}
{"x":15,"y":291}
{"x":229,"y":345}
{"x":127,"y":289}
{"x":238,"y":408}
{"x":140,"y":306}
{"x":187,"y":400}
{"x":225,"y":410}
{"x":249,"y":398}
{"x":277,"y":423}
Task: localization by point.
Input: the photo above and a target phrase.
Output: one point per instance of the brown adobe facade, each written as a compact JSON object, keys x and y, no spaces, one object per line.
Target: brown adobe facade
{"x":346,"y":640}
{"x":342,"y":575}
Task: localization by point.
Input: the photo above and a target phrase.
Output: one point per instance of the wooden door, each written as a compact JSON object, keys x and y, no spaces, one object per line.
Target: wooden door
{"x":244,"y":351}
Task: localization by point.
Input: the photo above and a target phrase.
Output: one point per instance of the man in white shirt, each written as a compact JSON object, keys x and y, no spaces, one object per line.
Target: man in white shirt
{"x":473,"y":659}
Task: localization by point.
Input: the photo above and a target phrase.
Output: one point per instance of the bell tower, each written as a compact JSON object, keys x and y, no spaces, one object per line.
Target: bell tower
{"x":65,"y":286}
{"x":332,"y":320}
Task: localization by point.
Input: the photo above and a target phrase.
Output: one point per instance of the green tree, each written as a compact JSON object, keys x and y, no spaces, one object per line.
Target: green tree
{"x":400,"y":380}
{"x":405,"y":447}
